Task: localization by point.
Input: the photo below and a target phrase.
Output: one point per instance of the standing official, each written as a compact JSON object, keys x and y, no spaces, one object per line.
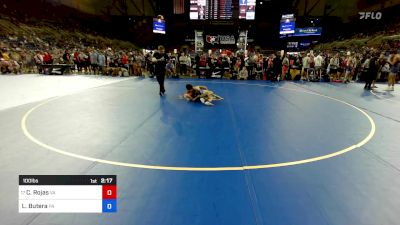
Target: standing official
{"x":161,"y":62}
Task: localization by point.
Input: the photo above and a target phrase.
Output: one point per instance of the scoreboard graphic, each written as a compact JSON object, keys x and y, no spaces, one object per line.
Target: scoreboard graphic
{"x":222,"y":9}
{"x":67,"y":194}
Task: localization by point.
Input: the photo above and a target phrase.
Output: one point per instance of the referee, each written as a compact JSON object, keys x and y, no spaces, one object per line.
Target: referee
{"x":161,"y":62}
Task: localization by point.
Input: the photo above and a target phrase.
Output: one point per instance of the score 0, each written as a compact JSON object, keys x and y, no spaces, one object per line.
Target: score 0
{"x":109,"y":192}
{"x":109,"y":198}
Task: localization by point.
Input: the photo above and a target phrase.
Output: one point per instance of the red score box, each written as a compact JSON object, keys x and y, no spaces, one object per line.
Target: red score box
{"x":109,"y":191}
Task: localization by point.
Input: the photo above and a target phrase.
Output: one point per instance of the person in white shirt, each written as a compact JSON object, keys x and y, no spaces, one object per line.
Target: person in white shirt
{"x":306,"y":66}
{"x":318,"y":64}
{"x":188,"y":64}
{"x":349,"y":68}
{"x":243,"y":74}
{"x":183,"y":64}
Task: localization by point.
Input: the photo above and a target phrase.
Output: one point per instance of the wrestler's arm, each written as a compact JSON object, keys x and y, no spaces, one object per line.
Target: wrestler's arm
{"x":202,"y":87}
{"x":187,"y":96}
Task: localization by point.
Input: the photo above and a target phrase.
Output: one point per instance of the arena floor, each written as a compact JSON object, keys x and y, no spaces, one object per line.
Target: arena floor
{"x":268,"y":154}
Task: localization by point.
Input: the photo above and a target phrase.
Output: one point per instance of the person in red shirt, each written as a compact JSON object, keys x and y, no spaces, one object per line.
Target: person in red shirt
{"x":47,"y":58}
{"x":124,"y":60}
{"x":76,"y":61}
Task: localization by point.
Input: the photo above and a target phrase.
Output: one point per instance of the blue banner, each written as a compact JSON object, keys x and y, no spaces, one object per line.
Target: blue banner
{"x":287,"y":28}
{"x":159,"y":27}
{"x":308,"y":31}
{"x":305,"y":44}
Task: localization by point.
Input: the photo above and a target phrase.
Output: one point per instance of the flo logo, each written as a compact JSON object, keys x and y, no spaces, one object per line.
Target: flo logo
{"x":212,"y":39}
{"x":370,"y":15}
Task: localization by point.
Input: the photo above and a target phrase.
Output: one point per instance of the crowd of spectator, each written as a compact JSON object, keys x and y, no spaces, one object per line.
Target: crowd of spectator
{"x":27,"y":48}
{"x":31,"y":55}
{"x":17,"y":56}
{"x":367,"y":64}
{"x":37,"y":54}
{"x":86,"y":61}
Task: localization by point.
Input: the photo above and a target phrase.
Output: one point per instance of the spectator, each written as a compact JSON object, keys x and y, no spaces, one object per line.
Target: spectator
{"x":306,"y":67}
{"x":394,"y":61}
{"x":333,"y":67}
{"x":84,"y":62}
{"x":66,"y":57}
{"x":125,"y":61}
{"x":277,"y":67}
{"x":349,"y":68}
{"x":197,"y":65}
{"x":259,"y":68}
{"x":94,"y":56}
{"x":372,"y":71}
{"x":385,"y":70}
{"x":318,"y":64}
{"x":101,"y":60}
{"x":183,"y":64}
{"x":5,"y":62}
{"x":269,"y":67}
{"x":77,"y":62}
{"x":285,"y":66}
{"x":188,"y":64}
{"x":47,"y":58}
{"x":243,"y":74}
{"x":38,"y":59}
{"x":136,"y":65}
{"x":250,"y":63}
{"x":29,"y":62}
{"x":366,"y":72}
{"x":170,"y":69}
